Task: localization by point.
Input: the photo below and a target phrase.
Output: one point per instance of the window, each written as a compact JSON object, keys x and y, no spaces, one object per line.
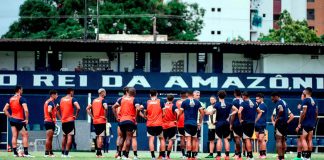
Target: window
{"x":310,"y":14}
{"x":212,"y":32}
{"x":276,"y":17}
{"x":242,"y":66}
{"x":310,"y":0}
{"x":311,"y":27}
{"x":219,"y":9}
{"x":218,"y":32}
{"x":264,"y":15}
{"x":213,"y":9}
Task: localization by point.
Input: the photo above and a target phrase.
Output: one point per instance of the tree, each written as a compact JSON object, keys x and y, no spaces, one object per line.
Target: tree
{"x":180,"y":21}
{"x":291,"y":31}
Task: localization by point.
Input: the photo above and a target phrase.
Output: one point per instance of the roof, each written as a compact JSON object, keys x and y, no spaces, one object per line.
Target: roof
{"x":159,"y":46}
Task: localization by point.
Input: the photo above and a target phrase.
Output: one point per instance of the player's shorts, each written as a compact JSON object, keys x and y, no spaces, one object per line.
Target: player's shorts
{"x":248,"y":129}
{"x":211,"y":134}
{"x":237,"y":130}
{"x":281,"y":129}
{"x":170,"y":133}
{"x":223,"y":131}
{"x":49,"y":126}
{"x":100,"y":129}
{"x":68,"y":128}
{"x":181,"y":131}
{"x":190,"y":130}
{"x":306,"y":129}
{"x":155,"y":131}
{"x":260,"y":129}
{"x":19,"y":126}
{"x":127,"y":126}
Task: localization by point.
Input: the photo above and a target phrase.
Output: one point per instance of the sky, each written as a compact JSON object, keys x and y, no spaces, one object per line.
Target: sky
{"x":9,"y":10}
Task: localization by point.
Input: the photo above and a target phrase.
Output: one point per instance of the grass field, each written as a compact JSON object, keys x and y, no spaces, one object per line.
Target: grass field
{"x":145,"y":155}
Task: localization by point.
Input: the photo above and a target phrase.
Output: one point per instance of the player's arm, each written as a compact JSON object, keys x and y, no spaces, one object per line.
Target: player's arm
{"x":58,"y":113}
{"x":291,"y":116}
{"x":281,"y":110}
{"x":141,"y":114}
{"x":201,"y":116}
{"x":77,"y":107}
{"x":239,"y":113}
{"x":89,"y":107}
{"x":24,"y":105}
{"x":5,"y":110}
{"x":105,"y":106}
{"x":233,"y":115}
{"x":114,"y":109}
{"x":50,"y":110}
{"x":260,"y":112}
{"x":273,"y":117}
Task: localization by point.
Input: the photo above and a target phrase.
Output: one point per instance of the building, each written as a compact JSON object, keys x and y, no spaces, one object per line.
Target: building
{"x":315,"y":18}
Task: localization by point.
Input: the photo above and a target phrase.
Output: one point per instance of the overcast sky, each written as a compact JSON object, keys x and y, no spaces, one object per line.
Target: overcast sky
{"x":9,"y":10}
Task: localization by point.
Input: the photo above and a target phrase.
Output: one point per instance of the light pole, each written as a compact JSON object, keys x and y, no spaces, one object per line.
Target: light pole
{"x":154,"y":28}
{"x":97,"y":31}
{"x":85,"y":20}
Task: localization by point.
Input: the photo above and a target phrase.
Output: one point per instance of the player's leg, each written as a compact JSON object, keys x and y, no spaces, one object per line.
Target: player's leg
{"x":129,"y":135}
{"x":24,"y":135}
{"x":279,"y":146}
{"x":226,"y":135}
{"x":14,"y":139}
{"x":119,"y":134}
{"x":48,"y":143}
{"x":172,"y":137}
{"x":310,"y":144}
{"x":151,"y":146}
{"x":182,"y":142}
{"x":188,"y":145}
{"x":64,"y":139}
{"x":162,"y":146}
{"x":51,"y":135}
{"x":237,"y":132}
{"x":211,"y":138}
{"x":68,"y":144}
{"x":134,"y":144}
{"x":219,"y":144}
{"x":262,"y":144}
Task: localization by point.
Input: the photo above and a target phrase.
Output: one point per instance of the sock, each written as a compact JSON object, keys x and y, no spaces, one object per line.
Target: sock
{"x":119,"y":153}
{"x":127,"y":153}
{"x":152,"y":154}
{"x":183,"y":152}
{"x":135,"y":153}
{"x":66,"y":153}
{"x":51,"y":152}
{"x":124,"y":153}
{"x":244,"y":153}
{"x":250,"y":154}
{"x":239,"y":154}
{"x":310,"y":154}
{"x":189,"y":154}
{"x":264,"y":152}
{"x":63,"y":152}
{"x":15,"y":151}
{"x":299,"y":155}
{"x":168,"y":153}
{"x":99,"y":151}
{"x":307,"y":154}
{"x":26,"y":150}
{"x":194,"y":154}
{"x":218,"y":153}
{"x":227,"y":153}
{"x":46,"y":153}
{"x":117,"y":148}
{"x":304,"y":154}
{"x":281,"y":157}
{"x":163,"y":154}
{"x":210,"y":154}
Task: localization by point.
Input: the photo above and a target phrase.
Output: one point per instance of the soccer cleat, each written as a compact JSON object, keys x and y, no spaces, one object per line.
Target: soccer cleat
{"x":262,"y":157}
{"x":209,"y":156}
{"x":218,"y":158}
{"x":153,"y":158}
{"x":125,"y":158}
{"x":296,"y":158}
{"x":227,"y":158}
{"x":118,"y":157}
{"x":135,"y":158}
{"x":15,"y":155}
{"x":183,"y":157}
{"x":28,"y":156}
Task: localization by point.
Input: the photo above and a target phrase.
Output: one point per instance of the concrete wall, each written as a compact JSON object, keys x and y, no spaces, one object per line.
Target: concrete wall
{"x":292,"y":63}
{"x":233,"y":13}
{"x":7,"y":59}
{"x":229,"y":57}
{"x":264,"y":8}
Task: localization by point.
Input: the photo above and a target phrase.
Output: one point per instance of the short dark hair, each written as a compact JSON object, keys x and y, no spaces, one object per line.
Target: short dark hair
{"x":309,"y":90}
{"x":212,"y":96}
{"x":17,"y":88}
{"x":183,"y":92}
{"x":125,"y":90}
{"x":69,"y":90}
{"x":170,"y":97}
{"x":190,"y":92}
{"x":237,"y":92}
{"x":274,"y":94}
{"x":153,"y":92}
{"x":260,"y":95}
{"x":132,"y":91}
{"x":246,"y":94}
{"x":221,"y":94}
{"x":51,"y":92}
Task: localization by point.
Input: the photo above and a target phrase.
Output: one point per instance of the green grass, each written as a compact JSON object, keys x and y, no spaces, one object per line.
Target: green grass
{"x":145,"y":155}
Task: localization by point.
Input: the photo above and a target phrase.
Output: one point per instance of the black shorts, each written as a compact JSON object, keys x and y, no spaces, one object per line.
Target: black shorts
{"x":237,"y":130}
{"x":260,"y":129}
{"x":211,"y":134}
{"x":281,"y":129}
{"x":181,"y":131}
{"x":170,"y":133}
{"x":248,"y":129}
{"x":155,"y":131}
{"x":127,"y":126}
{"x":18,"y":126}
{"x":191,"y":130}
{"x":223,"y":131}
{"x":68,"y":128}
{"x":49,"y":126}
{"x":100,"y":129}
{"x":307,"y":129}
{"x":198,"y":133}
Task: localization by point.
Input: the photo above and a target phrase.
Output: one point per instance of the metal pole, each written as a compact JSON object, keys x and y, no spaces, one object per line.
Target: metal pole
{"x":85,"y":20}
{"x":97,"y":37}
{"x":154,"y":29}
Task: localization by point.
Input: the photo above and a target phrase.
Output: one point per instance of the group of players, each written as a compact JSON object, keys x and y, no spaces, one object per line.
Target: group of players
{"x":167,"y":118}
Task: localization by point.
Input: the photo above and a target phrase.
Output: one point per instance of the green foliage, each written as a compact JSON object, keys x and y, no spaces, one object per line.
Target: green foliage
{"x":291,"y":31}
{"x":180,"y":21}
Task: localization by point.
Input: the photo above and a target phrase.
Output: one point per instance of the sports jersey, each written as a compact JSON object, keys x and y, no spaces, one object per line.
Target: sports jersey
{"x":249,"y":111}
{"x":282,"y":105}
{"x":223,"y":109}
{"x":170,"y":117}
{"x":310,"y":119}
{"x":17,"y":111}
{"x":47,"y":116}
{"x":263,"y":119}
{"x":153,"y":109}
{"x":190,"y":109}
{"x":181,"y":117}
{"x":128,"y":109}
{"x":237,"y":102}
{"x":98,"y":111}
{"x":211,"y":118}
{"x":67,"y":109}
